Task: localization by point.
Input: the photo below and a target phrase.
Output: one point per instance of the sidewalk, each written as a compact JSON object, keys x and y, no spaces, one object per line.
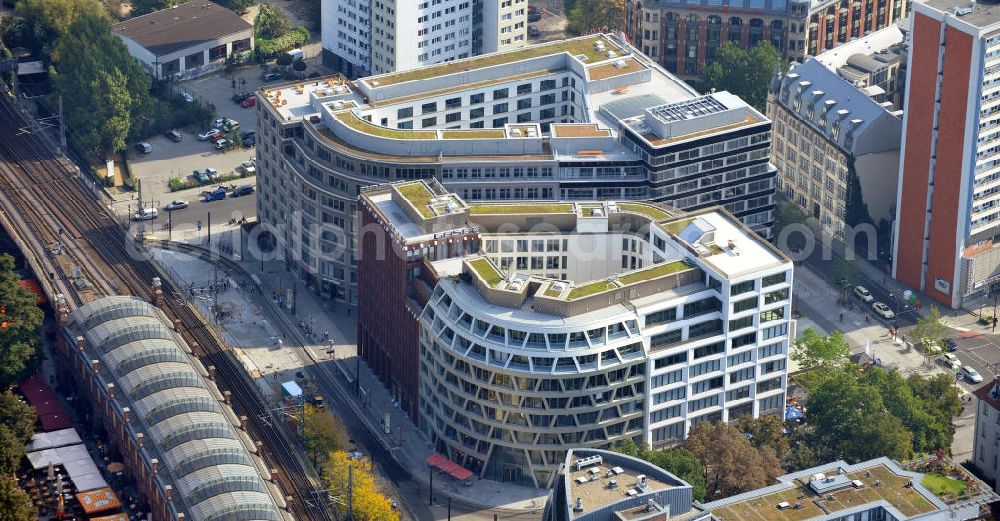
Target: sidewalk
{"x":256,"y":331}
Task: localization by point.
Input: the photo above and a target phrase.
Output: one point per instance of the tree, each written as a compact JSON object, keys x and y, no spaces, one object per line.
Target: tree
{"x":814,"y":351}
{"x":845,"y":273}
{"x":17,"y":424}
{"x":240,"y":6}
{"x":930,"y":330}
{"x":47,"y":21}
{"x":20,"y":325}
{"x":851,"y":420}
{"x":15,"y":504}
{"x":765,"y":431}
{"x":299,"y":66}
{"x":594,"y":16}
{"x":368,"y":504}
{"x":271,"y":22}
{"x":746,"y":73}
{"x":284,"y":59}
{"x":321,"y":434}
{"x":732,"y":465}
{"x":105,"y":90}
{"x":677,"y":461}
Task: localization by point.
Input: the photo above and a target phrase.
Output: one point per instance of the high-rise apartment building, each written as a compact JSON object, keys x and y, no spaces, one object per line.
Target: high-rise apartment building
{"x":684,"y":35}
{"x":949,"y":193}
{"x":580,"y":119}
{"x":521,"y":330}
{"x":362,"y":37}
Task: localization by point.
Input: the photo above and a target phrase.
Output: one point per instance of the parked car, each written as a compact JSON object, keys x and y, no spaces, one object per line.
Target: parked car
{"x":950,"y":344}
{"x":249,"y":139}
{"x":248,"y":167}
{"x":144,"y":147}
{"x":146,"y":214}
{"x":534,"y":17}
{"x":249,"y":101}
{"x":533,"y":31}
{"x":882,"y":310}
{"x":218,"y":123}
{"x":243,"y":190}
{"x":296,"y":54}
{"x":272,"y":76}
{"x":222,"y":144}
{"x":216,"y":138}
{"x":862,"y":293}
{"x":951,"y":361}
{"x":215,"y":195}
{"x":231,"y":125}
{"x":240,"y":96}
{"x":971,"y":375}
{"x":200,"y":175}
{"x":208,"y":134}
{"x":187,"y":97}
{"x":176,"y":204}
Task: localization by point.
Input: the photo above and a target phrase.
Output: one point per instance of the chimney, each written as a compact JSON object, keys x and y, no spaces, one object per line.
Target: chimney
{"x":243,"y":422}
{"x":125,"y":414}
{"x":227,"y":397}
{"x":168,"y":493}
{"x":95,"y":366}
{"x":140,"y":440}
{"x":211,"y":372}
{"x":177,"y":324}
{"x":62,"y":311}
{"x":154,"y":465}
{"x":79,"y":343}
{"x":111,"y":391}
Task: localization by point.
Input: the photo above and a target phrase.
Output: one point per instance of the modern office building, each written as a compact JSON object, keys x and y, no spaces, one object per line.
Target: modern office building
{"x":138,"y":381}
{"x":948,"y":198}
{"x":836,"y":151}
{"x":684,"y":36}
{"x":873,"y":489}
{"x":362,"y":38}
{"x":187,"y":40}
{"x":524,"y":329}
{"x":601,"y":485}
{"x":579,"y":119}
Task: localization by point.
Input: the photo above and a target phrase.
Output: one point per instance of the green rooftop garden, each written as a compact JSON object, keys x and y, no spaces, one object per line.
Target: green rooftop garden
{"x":675,"y":227}
{"x":651,"y":273}
{"x":575,"y":47}
{"x":590,"y":288}
{"x":486,"y":271}
{"x":552,"y":292}
{"x":352,"y":120}
{"x":650,"y":211}
{"x":419,"y":196}
{"x":508,"y":209}
{"x":475,"y":133}
{"x":942,"y":485}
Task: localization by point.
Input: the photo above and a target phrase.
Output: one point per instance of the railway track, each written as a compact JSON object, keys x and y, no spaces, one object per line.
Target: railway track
{"x":44,"y":202}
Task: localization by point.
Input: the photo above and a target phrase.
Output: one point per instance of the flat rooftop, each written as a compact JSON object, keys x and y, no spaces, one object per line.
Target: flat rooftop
{"x":732,"y":251}
{"x":982,"y":15}
{"x":881,"y":480}
{"x":595,"y":487}
{"x":184,"y":25}
{"x":582,"y":49}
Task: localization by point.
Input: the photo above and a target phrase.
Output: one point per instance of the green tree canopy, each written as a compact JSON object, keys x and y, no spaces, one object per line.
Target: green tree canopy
{"x":105,"y":90}
{"x":322,"y":435}
{"x":677,"y":461}
{"x":746,"y":73}
{"x":15,"y":504}
{"x":765,"y":431}
{"x":732,"y":464}
{"x":271,"y":22}
{"x":592,"y":16}
{"x":20,"y":326}
{"x":930,"y":330}
{"x":814,"y":351}
{"x":47,"y":21}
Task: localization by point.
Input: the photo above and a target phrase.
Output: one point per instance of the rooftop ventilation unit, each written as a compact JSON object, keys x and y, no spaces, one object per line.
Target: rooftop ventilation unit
{"x":588,"y":461}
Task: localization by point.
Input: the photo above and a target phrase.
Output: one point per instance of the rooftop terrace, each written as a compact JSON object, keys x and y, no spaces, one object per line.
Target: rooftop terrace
{"x":582,"y":48}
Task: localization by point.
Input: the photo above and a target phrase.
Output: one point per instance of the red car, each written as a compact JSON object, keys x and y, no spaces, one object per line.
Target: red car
{"x":216,"y":138}
{"x":249,"y":101}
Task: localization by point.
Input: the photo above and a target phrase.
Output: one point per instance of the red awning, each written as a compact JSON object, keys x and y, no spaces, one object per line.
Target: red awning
{"x":449,"y":467}
{"x":55,"y":422}
{"x":50,"y":412}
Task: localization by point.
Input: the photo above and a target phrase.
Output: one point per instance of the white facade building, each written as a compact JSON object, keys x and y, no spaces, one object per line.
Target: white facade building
{"x":362,"y":38}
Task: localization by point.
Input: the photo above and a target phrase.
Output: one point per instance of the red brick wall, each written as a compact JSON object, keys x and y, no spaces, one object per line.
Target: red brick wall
{"x":916,"y":160}
{"x":942,"y":251}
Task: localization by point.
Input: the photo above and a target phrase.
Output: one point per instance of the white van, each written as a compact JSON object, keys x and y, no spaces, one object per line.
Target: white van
{"x":296,"y":54}
{"x":146,"y":214}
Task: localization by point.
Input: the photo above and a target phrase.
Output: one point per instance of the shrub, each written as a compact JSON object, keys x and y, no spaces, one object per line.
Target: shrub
{"x":270,"y":48}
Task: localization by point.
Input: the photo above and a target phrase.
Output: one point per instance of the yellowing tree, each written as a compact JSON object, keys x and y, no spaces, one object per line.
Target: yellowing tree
{"x":322,"y":434}
{"x":346,"y":477}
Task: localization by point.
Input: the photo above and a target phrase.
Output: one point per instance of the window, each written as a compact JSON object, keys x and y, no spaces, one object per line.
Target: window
{"x":707,"y":305}
{"x":744,"y":340}
{"x":547,"y":85}
{"x":501,"y":93}
{"x":770,"y":403}
{"x":666,"y":414}
{"x":709,"y":327}
{"x":428,"y":108}
{"x":772,"y":366}
{"x":774,"y":331}
{"x":664,"y":339}
{"x":739,"y":358}
{"x":477,"y":113}
{"x":666,"y":396}
{"x":428,"y":122}
{"x":769,"y":385}
{"x":738,"y":394}
{"x":477,"y":98}
{"x":775,"y":296}
{"x":741,"y":287}
{"x":667,"y":361}
{"x":771,"y":280}
{"x":711,"y":349}
{"x":771,"y":350}
{"x":499,"y":108}
{"x":452,"y":103}
{"x":524,"y":104}
{"x":674,"y":431}
{"x":740,"y":323}
{"x":667,"y":378}
{"x":745,"y":305}
{"x":499,"y":122}
{"x":661,"y":317}
{"x":701,"y":403}
{"x":404,"y":113}
{"x":705,"y":368}
{"x":524,"y":88}
{"x":453,"y":117}
{"x":741,"y":375}
{"x":772,"y":314}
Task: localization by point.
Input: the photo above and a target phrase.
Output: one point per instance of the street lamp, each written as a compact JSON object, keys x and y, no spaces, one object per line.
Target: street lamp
{"x":895,"y":312}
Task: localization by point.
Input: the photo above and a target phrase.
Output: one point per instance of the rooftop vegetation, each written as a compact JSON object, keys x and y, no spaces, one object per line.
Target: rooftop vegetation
{"x":508,"y":209}
{"x":485,"y":269}
{"x":419,"y":196}
{"x":352,"y":120}
{"x":651,"y":273}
